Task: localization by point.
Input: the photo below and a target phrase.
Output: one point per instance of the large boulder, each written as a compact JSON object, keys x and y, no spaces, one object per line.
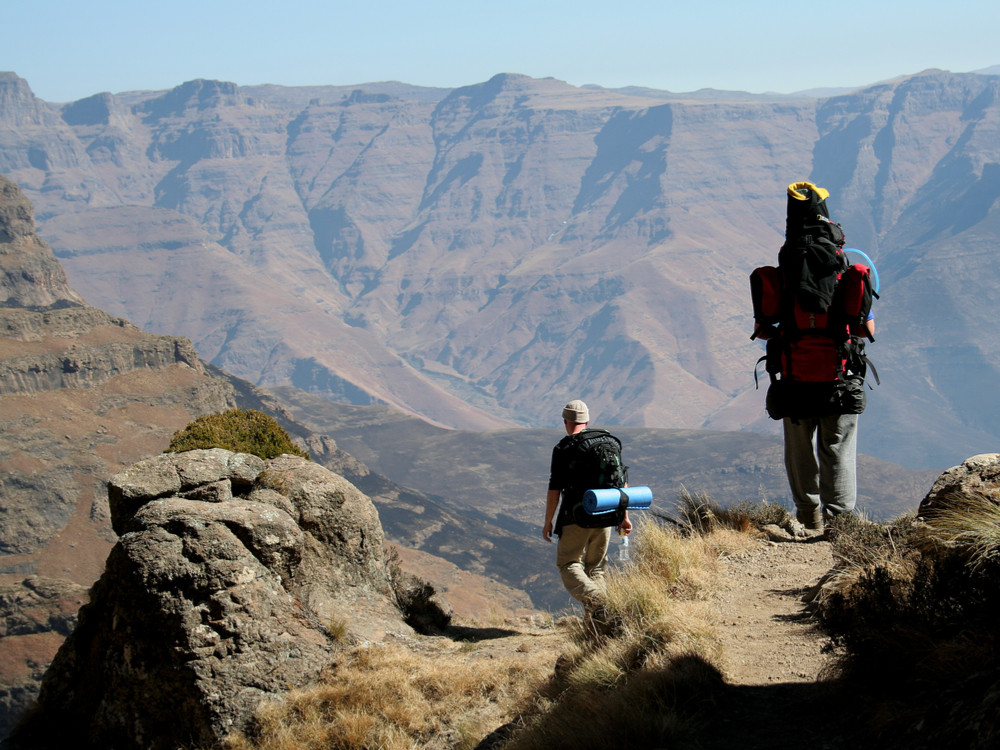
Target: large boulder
{"x":234,"y":580}
{"x":978,"y":476}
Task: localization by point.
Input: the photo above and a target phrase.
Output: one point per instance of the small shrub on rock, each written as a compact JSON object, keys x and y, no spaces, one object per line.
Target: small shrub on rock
{"x":238,"y":430}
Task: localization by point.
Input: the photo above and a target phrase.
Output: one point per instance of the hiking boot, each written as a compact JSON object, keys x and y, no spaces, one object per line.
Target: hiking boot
{"x":811,"y":518}
{"x":800,"y":532}
{"x":597,"y":621}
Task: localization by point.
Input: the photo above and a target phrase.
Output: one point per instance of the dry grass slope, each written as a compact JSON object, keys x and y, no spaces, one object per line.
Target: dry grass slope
{"x":645,"y":657}
{"x":913,"y":607}
{"x":910,"y":610}
{"x":395,"y":698}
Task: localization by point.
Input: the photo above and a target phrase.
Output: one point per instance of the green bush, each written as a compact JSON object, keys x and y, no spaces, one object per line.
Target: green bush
{"x":238,"y":430}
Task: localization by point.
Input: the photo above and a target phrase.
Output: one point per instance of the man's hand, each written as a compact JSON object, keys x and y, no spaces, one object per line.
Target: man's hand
{"x":625,"y":527}
{"x":551,"y":503}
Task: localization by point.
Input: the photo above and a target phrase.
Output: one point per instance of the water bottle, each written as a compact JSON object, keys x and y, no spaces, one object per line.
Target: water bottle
{"x":623,"y":547}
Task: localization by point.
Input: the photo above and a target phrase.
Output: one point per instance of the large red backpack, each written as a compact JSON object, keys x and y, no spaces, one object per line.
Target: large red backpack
{"x":813,"y":306}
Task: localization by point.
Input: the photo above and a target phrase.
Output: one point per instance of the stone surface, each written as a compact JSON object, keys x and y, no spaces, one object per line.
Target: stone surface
{"x":36,"y":614}
{"x":82,"y":394}
{"x":208,"y":607}
{"x":977,"y":476}
{"x":173,"y":474}
{"x":31,"y":275}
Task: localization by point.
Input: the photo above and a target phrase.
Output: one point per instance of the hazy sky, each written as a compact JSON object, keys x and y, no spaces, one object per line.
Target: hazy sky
{"x":70,"y":49}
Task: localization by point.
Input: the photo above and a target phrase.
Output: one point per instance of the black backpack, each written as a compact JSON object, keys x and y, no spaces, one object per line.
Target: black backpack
{"x":594,"y":460}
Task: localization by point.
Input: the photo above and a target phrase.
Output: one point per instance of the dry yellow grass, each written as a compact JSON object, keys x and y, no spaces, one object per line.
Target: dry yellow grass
{"x":654,"y":641}
{"x":970,"y":523}
{"x":391,"y":698}
{"x":861,"y":547}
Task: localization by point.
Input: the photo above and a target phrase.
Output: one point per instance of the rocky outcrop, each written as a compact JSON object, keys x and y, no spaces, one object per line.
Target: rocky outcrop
{"x":30,"y":275}
{"x":52,"y":342}
{"x":36,"y":614}
{"x":18,"y":105}
{"x":82,"y":363}
{"x":234,"y":580}
{"x":82,"y":393}
{"x":978,"y":476}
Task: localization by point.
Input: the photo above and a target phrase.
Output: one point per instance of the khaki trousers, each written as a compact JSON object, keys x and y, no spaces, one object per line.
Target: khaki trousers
{"x":581,"y":556}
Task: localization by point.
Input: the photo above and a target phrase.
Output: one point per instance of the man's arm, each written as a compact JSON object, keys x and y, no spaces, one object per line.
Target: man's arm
{"x":551,"y":503}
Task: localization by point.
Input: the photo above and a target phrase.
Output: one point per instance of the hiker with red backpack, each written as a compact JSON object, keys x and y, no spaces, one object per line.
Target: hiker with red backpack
{"x":814,"y":312}
{"x":586,"y":459}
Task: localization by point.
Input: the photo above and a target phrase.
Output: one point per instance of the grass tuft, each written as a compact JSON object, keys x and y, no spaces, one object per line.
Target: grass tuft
{"x":643,"y":660}
{"x":912,"y":613}
{"x":700,"y":514}
{"x":392,"y":698}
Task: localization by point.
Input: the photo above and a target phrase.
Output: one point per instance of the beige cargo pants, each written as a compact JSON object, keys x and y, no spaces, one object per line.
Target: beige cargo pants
{"x":581,"y":556}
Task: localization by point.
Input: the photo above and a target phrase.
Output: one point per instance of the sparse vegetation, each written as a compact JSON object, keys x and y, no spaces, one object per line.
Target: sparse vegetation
{"x":699,"y":514}
{"x":239,"y":430}
{"x":639,"y":669}
{"x":913,"y":608}
{"x":390,"y":698}
{"x":337,"y":629}
{"x":648,"y":657}
{"x":910,"y":610}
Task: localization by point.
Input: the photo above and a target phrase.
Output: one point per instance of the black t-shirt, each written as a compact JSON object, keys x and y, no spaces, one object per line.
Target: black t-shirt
{"x":562,"y":478}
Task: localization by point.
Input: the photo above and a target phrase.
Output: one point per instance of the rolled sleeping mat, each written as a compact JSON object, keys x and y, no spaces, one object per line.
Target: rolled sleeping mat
{"x":596,"y":502}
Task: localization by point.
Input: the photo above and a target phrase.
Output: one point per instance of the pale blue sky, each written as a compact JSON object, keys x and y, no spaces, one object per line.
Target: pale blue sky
{"x":70,"y":49}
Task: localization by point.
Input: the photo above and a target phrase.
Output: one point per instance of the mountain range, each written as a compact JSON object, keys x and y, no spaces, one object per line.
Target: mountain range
{"x":475,"y":256}
{"x":395,"y":261}
{"x":82,"y":394}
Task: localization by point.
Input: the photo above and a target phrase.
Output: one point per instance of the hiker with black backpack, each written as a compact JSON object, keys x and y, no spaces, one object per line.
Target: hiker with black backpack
{"x":586,"y":459}
{"x":814,"y":312}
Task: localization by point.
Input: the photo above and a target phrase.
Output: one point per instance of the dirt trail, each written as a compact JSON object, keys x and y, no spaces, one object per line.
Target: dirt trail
{"x":767,"y":635}
{"x":773,"y":655}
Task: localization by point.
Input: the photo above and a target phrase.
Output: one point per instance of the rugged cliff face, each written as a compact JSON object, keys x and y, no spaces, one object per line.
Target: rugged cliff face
{"x":81,"y":394}
{"x":32,"y":277}
{"x":234,"y":581}
{"x":474,"y":255}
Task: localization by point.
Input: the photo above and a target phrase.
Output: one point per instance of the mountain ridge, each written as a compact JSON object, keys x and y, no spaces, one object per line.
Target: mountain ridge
{"x":471,"y":251}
